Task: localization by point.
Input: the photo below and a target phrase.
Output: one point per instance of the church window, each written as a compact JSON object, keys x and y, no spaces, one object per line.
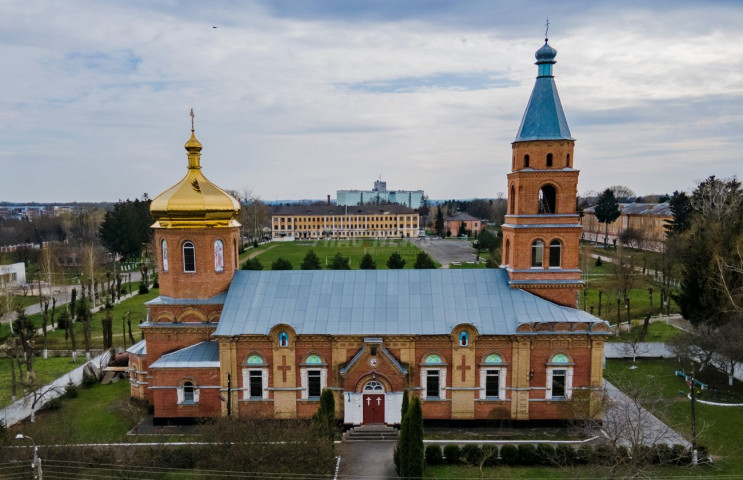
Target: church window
{"x":234,"y":253}
{"x":549,"y":159}
{"x":255,"y":360}
{"x":283,"y":339}
{"x":559,"y":377}
{"x":526,"y":161}
{"x":189,"y":257}
{"x":313,"y":384}
{"x":314,"y":377}
{"x":555,"y":253}
{"x":547,"y":199}
{"x":314,"y":360}
{"x":164,"y":248}
{"x":537,"y":254}
{"x":256,"y":385}
{"x":433,"y":377}
{"x":218,"y":256}
{"x":255,"y":378}
{"x":493,"y":378}
{"x":188,"y":393}
{"x":508,"y":252}
{"x":567,"y":160}
{"x":433,"y":358}
{"x":432,"y":384}
{"x":464,"y":339}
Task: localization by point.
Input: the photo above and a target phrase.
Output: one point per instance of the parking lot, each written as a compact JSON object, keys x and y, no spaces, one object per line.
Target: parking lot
{"x":446,"y":251}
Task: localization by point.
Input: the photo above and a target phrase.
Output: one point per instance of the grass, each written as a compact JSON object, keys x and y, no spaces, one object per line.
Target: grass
{"x":468,"y":265}
{"x":46,"y":371}
{"x":102,"y":413}
{"x":657,"y":332}
{"x":354,"y":249}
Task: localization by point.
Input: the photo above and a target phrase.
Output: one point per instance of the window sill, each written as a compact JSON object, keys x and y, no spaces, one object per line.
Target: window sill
{"x":256,"y":400}
{"x":188,"y":404}
{"x":436,"y":399}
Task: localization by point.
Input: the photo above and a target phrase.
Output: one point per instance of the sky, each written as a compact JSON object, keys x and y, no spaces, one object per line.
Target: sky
{"x":297,"y":99}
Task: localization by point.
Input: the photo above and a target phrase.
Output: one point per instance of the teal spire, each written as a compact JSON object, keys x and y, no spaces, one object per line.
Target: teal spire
{"x":544,"y":118}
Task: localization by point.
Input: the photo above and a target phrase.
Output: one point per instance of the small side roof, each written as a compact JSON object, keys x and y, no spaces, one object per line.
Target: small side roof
{"x":139,"y":348}
{"x":201,"y":355}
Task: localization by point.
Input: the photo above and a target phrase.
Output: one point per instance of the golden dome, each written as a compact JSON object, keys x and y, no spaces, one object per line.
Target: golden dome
{"x":194,"y":202}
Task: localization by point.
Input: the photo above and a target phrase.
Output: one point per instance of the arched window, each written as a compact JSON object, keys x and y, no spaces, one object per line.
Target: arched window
{"x":314,"y":374}
{"x":234,"y":253}
{"x":374,"y":386}
{"x":560,"y":358}
{"x":508,"y":252}
{"x":559,"y":377}
{"x":432,"y":359}
{"x":313,"y":360}
{"x":189,"y":257}
{"x":526,"y":161}
{"x":255,"y":360}
{"x":164,"y":250}
{"x":549,"y":159}
{"x":433,"y":377}
{"x":567,"y":161}
{"x":493,"y":378}
{"x":513,"y":200}
{"x":464,"y":339}
{"x":283,"y":339}
{"x":555,"y":253}
{"x":547,"y":199}
{"x":494,"y":359}
{"x":537,"y":254}
{"x":218,"y":256}
{"x":188,"y":392}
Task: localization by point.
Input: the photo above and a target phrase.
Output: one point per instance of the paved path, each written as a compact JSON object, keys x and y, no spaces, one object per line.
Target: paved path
{"x":631,"y":424}
{"x":446,"y":251}
{"x":367,"y":460}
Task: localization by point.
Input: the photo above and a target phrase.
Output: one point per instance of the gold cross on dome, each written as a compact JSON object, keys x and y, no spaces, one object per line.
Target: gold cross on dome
{"x":192,"y":115}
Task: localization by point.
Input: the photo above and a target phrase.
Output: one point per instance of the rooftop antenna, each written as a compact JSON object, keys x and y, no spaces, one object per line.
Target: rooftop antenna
{"x":192,"y":115}
{"x":546,"y":30}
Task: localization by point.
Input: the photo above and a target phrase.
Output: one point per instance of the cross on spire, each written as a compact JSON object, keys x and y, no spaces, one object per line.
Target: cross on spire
{"x":192,"y":115}
{"x":546,"y":31}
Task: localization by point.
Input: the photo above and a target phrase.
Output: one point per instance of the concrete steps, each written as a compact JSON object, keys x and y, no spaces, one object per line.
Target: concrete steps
{"x":371,"y":433}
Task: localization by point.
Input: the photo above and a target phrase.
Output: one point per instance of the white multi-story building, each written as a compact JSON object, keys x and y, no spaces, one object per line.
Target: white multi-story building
{"x":380,"y":194}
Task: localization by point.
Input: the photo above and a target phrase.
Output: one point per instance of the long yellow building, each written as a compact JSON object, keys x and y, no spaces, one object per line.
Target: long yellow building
{"x":332,"y":221}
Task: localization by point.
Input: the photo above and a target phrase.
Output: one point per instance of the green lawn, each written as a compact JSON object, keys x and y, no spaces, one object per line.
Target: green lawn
{"x":102,"y":413}
{"x":354,"y":249}
{"x":468,"y":265}
{"x":657,"y":332}
{"x":639,"y":302}
{"x":46,"y":371}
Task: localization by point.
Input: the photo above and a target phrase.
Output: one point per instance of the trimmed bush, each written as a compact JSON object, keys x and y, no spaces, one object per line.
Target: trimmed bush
{"x":491,"y":455}
{"x":565,"y":455}
{"x":53,"y":404}
{"x":89,"y":380}
{"x":680,"y":455}
{"x":473,"y":454}
{"x":599,"y":262}
{"x":527,"y":454}
{"x":452,"y":454}
{"x":434,"y":456}
{"x":509,"y":455}
{"x":661,"y":454}
{"x":546,"y":454}
{"x":142,"y":289}
{"x":70,"y":391}
{"x":584,"y":455}
{"x":604,"y":455}
{"x":623,"y":455}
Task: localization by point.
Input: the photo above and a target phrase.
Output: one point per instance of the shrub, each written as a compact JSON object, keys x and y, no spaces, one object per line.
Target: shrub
{"x":473,"y":454}
{"x":452,"y":454}
{"x":564,"y":455}
{"x":89,"y":380}
{"x":604,"y":455}
{"x":434,"y":455}
{"x":680,"y":455}
{"x":54,"y":404}
{"x":546,"y":454}
{"x":509,"y":455}
{"x":599,"y":262}
{"x":527,"y":454}
{"x":281,"y":264}
{"x":70,"y":391}
{"x":622,"y":454}
{"x":252,"y":264}
{"x":156,"y":282}
{"x":255,"y":243}
{"x":661,"y":454}
{"x":142,"y":288}
{"x":491,"y":455}
{"x":584,"y":455}
{"x":703,"y":454}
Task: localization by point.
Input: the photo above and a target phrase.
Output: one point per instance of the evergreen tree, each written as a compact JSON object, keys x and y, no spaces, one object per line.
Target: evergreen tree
{"x":401,"y":451}
{"x":395,"y":262}
{"x":424,"y":261}
{"x":340,"y":263}
{"x":311,"y":261}
{"x":252,"y":264}
{"x":416,"y":451}
{"x":281,"y":264}
{"x":324,"y":418}
{"x":367,"y":262}
{"x":439,"y":224}
{"x":680,"y":205}
{"x":607,"y":210}
{"x":126,"y":228}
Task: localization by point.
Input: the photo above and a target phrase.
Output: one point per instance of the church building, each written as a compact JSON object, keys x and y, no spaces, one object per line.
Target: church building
{"x":505,"y":343}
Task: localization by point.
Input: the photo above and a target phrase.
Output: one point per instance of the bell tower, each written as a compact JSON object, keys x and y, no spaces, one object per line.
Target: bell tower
{"x":196,"y":233}
{"x":541,"y":232}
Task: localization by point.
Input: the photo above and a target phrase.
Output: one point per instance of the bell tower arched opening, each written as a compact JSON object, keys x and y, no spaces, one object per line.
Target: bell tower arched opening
{"x":547,"y":200}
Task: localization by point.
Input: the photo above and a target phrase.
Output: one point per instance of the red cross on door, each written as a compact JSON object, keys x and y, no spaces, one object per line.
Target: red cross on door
{"x":373,"y":408}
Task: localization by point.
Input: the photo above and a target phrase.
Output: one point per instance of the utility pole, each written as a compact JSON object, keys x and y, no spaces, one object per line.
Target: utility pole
{"x":36,"y":464}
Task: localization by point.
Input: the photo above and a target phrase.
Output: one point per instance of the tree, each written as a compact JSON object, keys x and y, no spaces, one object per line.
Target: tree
{"x":486,"y":242}
{"x":439,"y":224}
{"x":424,"y":210}
{"x":252,"y":264}
{"x":281,"y":264}
{"x":730,"y":348}
{"x":340,"y":262}
{"x":607,"y":210}
{"x":324,"y":418}
{"x":311,"y":261}
{"x":126,"y":228}
{"x":624,"y":272}
{"x":424,"y":261}
{"x":680,"y":205}
{"x":26,"y":332}
{"x":395,"y":262}
{"x":622,"y":193}
{"x":84,"y":316}
{"x":367,"y":262}
{"x":416,"y":451}
{"x":400,"y":455}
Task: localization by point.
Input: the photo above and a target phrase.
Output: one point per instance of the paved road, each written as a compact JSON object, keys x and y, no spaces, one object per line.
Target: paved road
{"x":367,"y":460}
{"x":446,"y":251}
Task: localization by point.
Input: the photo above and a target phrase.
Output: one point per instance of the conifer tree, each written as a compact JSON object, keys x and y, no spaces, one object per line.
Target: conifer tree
{"x":252,"y":264}
{"x":416,"y":451}
{"x":400,"y":448}
{"x":607,"y":210}
{"x":311,"y":261}
{"x":281,"y":264}
{"x":424,"y":261}
{"x":439,"y":224}
{"x":367,"y":262}
{"x":340,"y":263}
{"x":395,"y":262}
{"x":324,"y":418}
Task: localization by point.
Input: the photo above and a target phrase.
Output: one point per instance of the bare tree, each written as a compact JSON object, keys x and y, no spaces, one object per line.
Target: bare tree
{"x":633,"y":343}
{"x":624,"y":272}
{"x":730,"y":348}
{"x":90,"y":262}
{"x":699,"y":344}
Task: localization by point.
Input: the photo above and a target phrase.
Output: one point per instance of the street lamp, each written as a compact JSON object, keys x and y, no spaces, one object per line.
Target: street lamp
{"x":36,"y":464}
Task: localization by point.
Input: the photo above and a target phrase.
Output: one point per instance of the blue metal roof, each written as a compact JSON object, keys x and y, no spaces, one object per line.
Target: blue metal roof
{"x":163,"y":300}
{"x":139,"y":348}
{"x":201,"y":355}
{"x":383,"y":302}
{"x":544,"y":118}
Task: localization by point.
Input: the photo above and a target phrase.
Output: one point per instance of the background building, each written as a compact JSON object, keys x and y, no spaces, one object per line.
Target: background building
{"x":642,"y":225}
{"x":332,"y":221}
{"x":380,"y":194}
{"x":454,"y":223}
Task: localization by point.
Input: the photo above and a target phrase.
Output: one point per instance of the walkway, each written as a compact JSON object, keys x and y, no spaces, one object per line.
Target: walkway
{"x":367,"y":460}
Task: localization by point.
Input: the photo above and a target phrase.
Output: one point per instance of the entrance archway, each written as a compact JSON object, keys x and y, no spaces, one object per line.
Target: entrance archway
{"x":373,"y":401}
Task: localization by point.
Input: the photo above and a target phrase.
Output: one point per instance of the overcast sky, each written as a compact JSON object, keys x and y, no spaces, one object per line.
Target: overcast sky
{"x":296,"y":99}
